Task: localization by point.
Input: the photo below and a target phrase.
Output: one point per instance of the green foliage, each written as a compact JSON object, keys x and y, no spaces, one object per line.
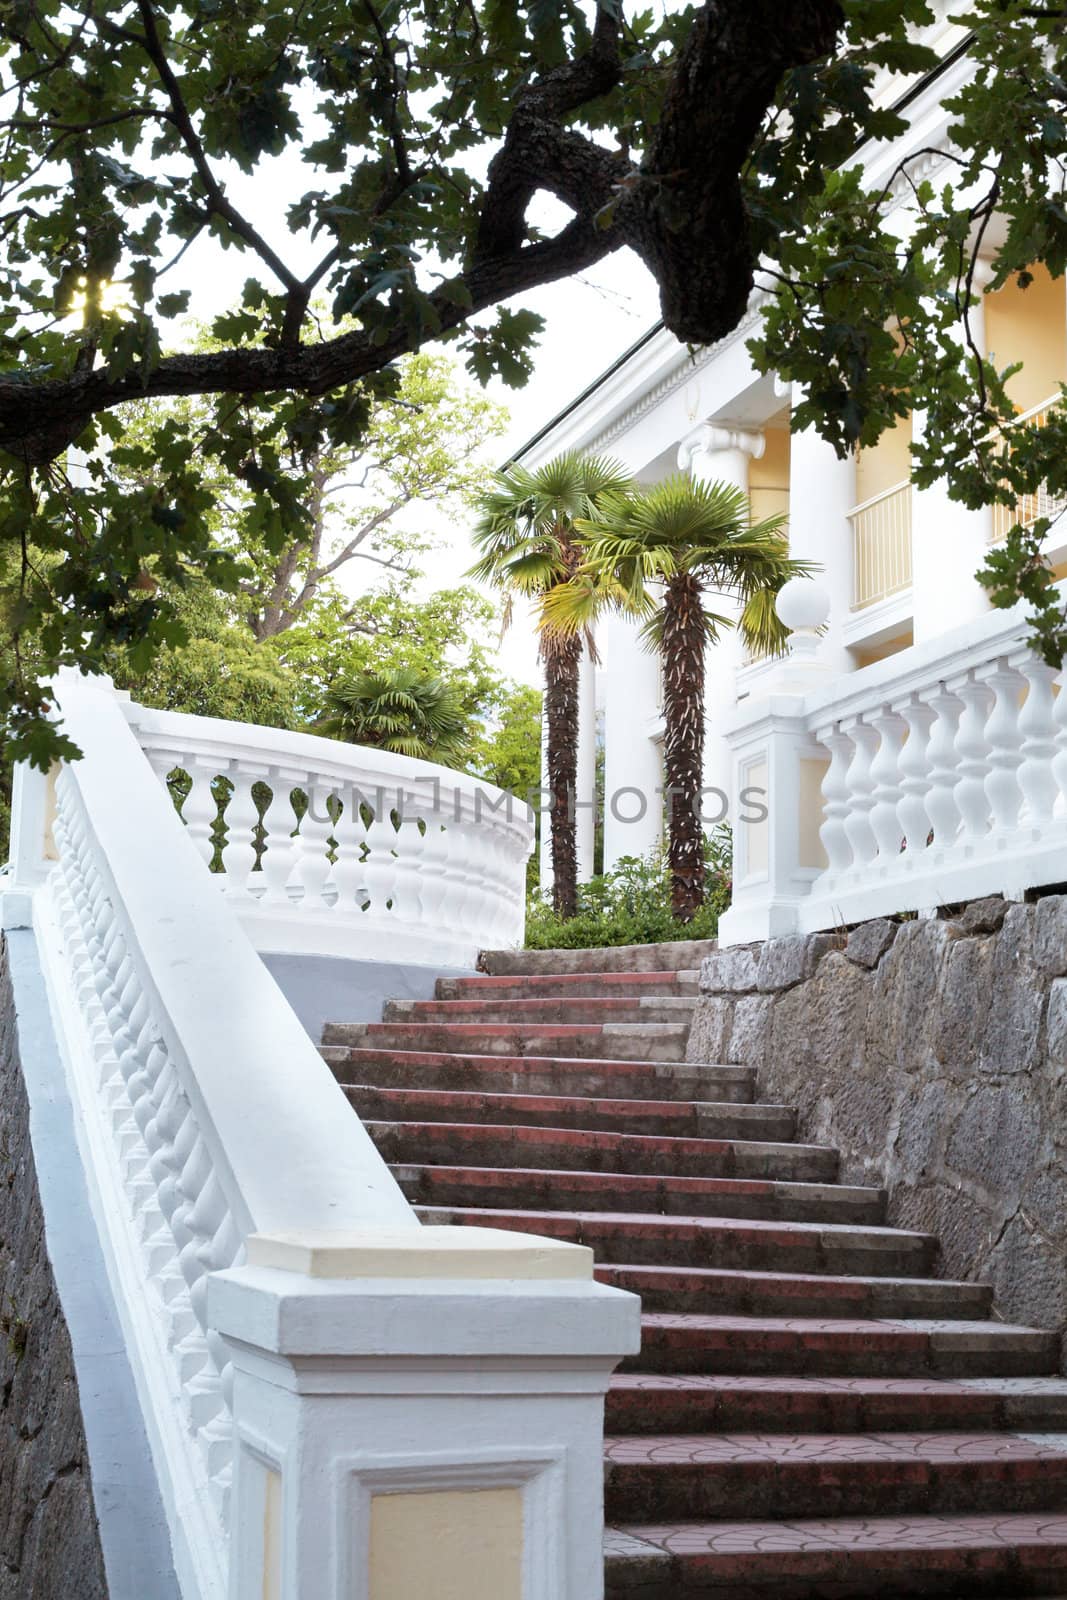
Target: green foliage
{"x":632,"y":904}
{"x":399,"y":710}
{"x":506,"y":750}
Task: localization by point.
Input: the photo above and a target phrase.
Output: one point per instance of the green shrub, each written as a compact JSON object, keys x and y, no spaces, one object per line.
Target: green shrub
{"x":632,"y":904}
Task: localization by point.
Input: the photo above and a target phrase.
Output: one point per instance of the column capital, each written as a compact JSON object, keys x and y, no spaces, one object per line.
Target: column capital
{"x":711,"y":439}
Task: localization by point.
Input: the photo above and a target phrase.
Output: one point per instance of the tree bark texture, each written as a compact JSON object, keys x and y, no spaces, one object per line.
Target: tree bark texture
{"x":684,"y":644}
{"x":562,"y":658}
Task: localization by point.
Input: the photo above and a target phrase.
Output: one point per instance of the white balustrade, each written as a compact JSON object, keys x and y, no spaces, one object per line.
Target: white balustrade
{"x":292,"y":1329}
{"x":945,"y":778}
{"x":426,"y":863}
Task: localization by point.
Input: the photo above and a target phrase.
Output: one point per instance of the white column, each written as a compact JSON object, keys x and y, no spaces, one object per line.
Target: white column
{"x":585,"y":816}
{"x":418,"y":1413}
{"x":720,"y":455}
{"x":822,"y":492}
{"x":633,"y":760}
{"x":949,"y":542}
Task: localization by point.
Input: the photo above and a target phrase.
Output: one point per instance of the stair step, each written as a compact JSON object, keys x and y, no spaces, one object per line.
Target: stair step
{"x":538,"y":1074}
{"x":642,"y":1041}
{"x":678,"y":954}
{"x":551,"y":1190}
{"x":695,"y":1119}
{"x":825,"y":1346}
{"x":646,"y":1402}
{"x":715,"y":1291}
{"x":484,"y":1144}
{"x":995,"y":1557}
{"x":689,"y":1477}
{"x":597,"y":1009}
{"x":772,"y":1246}
{"x":565,"y":985}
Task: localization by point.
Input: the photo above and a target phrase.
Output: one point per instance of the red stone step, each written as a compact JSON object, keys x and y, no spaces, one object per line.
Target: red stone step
{"x":995,"y":1557}
{"x":567,"y":984}
{"x":597,"y":1009}
{"x":484,"y":1144}
{"x":660,"y":1402}
{"x":613,"y":1041}
{"x":541,"y":1075}
{"x":538,"y":1189}
{"x":825,"y":1346}
{"x":761,"y":1246}
{"x":673,"y":956}
{"x":691,"y":1477}
{"x":695,"y":1119}
{"x":712,"y":1291}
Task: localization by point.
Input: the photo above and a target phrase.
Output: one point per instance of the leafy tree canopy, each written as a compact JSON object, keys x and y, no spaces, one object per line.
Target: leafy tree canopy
{"x":706,"y":137}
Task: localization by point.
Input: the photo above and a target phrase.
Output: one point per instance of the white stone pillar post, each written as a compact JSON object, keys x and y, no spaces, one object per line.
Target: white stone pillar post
{"x":778,"y":773}
{"x":633,"y":758}
{"x":418,"y":1413}
{"x":822,"y":492}
{"x":949,"y":541}
{"x":585,"y":812}
{"x":720,"y":455}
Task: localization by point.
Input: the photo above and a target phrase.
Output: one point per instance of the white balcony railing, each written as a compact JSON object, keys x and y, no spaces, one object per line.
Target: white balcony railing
{"x":1039,"y":503}
{"x":881,"y":546}
{"x":930,"y":778}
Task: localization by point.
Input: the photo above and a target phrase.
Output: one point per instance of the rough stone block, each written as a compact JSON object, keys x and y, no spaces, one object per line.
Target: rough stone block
{"x":710,"y":1029}
{"x":1057,"y":1021}
{"x":1050,"y":934}
{"x":729,"y":972}
{"x":981,"y":916}
{"x":783,"y":963}
{"x":868,"y":943}
{"x":749,"y":1034}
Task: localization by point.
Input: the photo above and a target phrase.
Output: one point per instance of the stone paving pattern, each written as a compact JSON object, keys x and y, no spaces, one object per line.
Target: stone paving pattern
{"x":815,"y":1414}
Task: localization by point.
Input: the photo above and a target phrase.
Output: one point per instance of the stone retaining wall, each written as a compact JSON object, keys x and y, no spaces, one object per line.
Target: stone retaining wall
{"x":933,"y":1053}
{"x":49,"y":1543}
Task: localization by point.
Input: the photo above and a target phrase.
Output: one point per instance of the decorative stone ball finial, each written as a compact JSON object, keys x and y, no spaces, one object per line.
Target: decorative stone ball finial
{"x":804,"y":606}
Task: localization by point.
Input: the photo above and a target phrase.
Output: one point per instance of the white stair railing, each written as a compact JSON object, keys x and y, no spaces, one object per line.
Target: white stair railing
{"x":299,"y":1343}
{"x":336,"y":849}
{"x":927,"y":779}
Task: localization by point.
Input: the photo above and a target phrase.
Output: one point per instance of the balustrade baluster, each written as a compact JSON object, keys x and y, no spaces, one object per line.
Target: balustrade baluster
{"x":1059,"y":760}
{"x":199,"y":808}
{"x":941,"y":755}
{"x":279,"y":820}
{"x":915,"y":776}
{"x":833,"y":832}
{"x":1004,"y":736}
{"x":887,"y":781}
{"x":1037,"y":726}
{"x":240,"y":819}
{"x":383,"y":845}
{"x":972,"y":760}
{"x":859,"y":788}
{"x":349,"y":872}
{"x":313,"y":865}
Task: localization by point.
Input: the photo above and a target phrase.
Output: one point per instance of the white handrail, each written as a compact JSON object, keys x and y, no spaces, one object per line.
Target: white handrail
{"x":208,"y":1112}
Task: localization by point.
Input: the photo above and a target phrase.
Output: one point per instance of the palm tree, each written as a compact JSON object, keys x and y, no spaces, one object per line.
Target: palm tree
{"x":528,"y":546}
{"x":655,"y":553}
{"x":400,"y":709}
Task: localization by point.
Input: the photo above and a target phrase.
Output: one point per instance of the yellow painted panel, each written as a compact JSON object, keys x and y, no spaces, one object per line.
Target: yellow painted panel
{"x":461,"y":1544}
{"x":812,"y":773}
{"x":272,"y":1535}
{"x":865,"y":655}
{"x":768,"y":478}
{"x":756,"y":832}
{"x":1029,"y":325}
{"x":886,"y":463}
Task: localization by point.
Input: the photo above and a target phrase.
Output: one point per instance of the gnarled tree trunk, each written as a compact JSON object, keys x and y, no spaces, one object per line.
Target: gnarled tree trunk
{"x":684,"y":642}
{"x":562,"y":658}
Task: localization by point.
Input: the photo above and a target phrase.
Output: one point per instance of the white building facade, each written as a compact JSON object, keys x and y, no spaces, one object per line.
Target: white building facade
{"x":897,"y":563}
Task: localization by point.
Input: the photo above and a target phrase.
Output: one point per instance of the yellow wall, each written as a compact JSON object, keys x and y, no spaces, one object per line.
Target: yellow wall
{"x":1029,"y":325}
{"x":462,"y":1544}
{"x":881,"y":652}
{"x":885,"y":464}
{"x":768,"y":478}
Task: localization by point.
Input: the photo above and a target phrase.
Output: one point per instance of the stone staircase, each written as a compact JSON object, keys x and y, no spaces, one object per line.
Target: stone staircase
{"x":813,"y":1413}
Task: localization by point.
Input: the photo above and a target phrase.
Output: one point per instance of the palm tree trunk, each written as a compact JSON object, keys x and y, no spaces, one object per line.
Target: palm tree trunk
{"x":562,"y":657}
{"x":683,"y":647}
